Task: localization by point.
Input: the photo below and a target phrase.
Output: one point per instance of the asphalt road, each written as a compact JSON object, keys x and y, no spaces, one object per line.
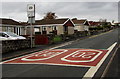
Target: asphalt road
{"x":113,"y":70}
{"x":102,"y":41}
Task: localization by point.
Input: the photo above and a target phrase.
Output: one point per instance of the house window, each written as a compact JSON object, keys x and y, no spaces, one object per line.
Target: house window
{"x":19,"y":30}
{"x":6,"y":29}
{"x":14,"y":30}
{"x":54,"y":28}
{"x":65,"y":28}
{"x":43,"y":28}
{"x":9,"y":29}
{"x":50,"y":26}
{"x":37,"y":29}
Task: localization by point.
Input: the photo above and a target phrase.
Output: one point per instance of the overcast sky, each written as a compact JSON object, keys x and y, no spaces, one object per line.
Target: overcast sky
{"x":80,"y":10}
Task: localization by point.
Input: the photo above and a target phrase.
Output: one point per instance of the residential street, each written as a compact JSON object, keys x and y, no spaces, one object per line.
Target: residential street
{"x":102,"y":41}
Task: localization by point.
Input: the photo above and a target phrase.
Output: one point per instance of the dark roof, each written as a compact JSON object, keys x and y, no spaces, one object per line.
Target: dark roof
{"x":75,"y":21}
{"x":51,"y":21}
{"x":117,"y":23}
{"x":92,"y":23}
{"x":8,"y":21}
{"x":23,"y":23}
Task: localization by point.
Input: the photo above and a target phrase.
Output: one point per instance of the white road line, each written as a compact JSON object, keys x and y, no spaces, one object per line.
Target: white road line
{"x":61,"y":45}
{"x":91,"y":72}
{"x":52,"y":64}
{"x":106,"y":69}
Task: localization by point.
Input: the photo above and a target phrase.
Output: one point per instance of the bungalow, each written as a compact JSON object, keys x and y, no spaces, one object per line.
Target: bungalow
{"x":57,"y":26}
{"x":81,"y":25}
{"x":94,"y":24}
{"x":10,"y":25}
{"x":117,"y":24}
{"x":114,"y":25}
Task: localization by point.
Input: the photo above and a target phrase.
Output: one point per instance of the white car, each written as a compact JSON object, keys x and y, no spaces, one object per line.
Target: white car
{"x":10,"y":36}
{"x":3,"y":38}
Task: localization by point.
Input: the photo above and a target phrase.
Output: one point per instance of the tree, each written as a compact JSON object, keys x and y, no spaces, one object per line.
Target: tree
{"x":50,"y":15}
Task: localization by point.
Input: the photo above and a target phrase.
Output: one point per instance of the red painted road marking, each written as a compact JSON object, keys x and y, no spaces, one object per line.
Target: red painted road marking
{"x":82,"y":56}
{"x":76,"y":57}
{"x":44,"y":55}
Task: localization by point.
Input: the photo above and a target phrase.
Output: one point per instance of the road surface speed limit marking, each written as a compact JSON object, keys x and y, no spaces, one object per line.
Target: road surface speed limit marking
{"x":44,"y":55}
{"x":82,"y":56}
{"x":76,"y":57}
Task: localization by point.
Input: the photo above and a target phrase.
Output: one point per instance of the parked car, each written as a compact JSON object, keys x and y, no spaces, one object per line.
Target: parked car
{"x":10,"y":36}
{"x":3,"y":38}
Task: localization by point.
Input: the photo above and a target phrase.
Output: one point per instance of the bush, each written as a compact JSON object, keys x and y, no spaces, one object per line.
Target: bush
{"x":57,"y":39}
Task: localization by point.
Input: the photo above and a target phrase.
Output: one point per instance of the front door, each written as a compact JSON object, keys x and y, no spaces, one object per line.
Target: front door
{"x":66,"y":29}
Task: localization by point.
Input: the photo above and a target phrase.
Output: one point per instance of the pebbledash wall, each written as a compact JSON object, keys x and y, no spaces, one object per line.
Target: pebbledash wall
{"x":12,"y":45}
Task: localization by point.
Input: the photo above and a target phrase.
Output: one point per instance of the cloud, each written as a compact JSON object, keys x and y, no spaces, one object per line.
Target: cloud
{"x":88,"y":10}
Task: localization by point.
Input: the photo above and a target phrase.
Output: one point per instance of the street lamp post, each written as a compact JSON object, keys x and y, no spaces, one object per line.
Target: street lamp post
{"x":31,"y":35}
{"x":31,"y":19}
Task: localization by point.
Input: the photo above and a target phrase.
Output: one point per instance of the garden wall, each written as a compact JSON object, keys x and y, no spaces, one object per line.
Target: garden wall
{"x":12,"y":45}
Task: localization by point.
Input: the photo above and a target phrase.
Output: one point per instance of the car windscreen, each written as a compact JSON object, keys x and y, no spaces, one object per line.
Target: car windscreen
{"x":2,"y":35}
{"x":12,"y":34}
